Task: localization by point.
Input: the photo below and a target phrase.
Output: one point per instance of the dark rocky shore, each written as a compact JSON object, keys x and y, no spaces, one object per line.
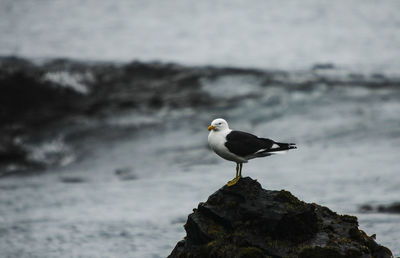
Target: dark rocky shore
{"x":246,"y":220}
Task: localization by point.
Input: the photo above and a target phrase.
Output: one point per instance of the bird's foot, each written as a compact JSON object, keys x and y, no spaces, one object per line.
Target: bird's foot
{"x":233,"y":181}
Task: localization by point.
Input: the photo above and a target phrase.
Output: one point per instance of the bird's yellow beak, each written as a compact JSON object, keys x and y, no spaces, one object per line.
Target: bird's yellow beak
{"x":210,"y":128}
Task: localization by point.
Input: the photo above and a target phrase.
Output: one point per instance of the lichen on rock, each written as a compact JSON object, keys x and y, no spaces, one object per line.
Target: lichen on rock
{"x":246,"y":220}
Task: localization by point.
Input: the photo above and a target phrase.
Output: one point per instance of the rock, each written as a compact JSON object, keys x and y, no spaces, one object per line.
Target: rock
{"x":390,"y":208}
{"x":126,"y":173}
{"x":245,"y":220}
{"x":366,"y":208}
{"x":382,"y":208}
{"x":323,"y":66}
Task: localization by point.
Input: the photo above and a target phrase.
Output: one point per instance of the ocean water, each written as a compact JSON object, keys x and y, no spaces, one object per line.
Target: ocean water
{"x":121,"y":182}
{"x":136,"y":175}
{"x":362,"y":36}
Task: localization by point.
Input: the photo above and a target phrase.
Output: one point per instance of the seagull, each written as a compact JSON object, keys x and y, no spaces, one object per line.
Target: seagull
{"x":240,"y":146}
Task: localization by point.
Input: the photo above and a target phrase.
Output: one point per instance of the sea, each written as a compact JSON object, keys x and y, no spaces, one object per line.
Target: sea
{"x":110,"y":130}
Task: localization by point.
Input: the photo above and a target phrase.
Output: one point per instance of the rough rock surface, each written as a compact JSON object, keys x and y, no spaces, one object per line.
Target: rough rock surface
{"x":245,"y":220}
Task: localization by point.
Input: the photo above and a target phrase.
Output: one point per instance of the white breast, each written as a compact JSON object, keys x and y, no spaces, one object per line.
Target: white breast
{"x":216,"y":140}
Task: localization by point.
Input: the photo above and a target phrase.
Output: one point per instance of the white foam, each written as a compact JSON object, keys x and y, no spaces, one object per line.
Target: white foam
{"x":68,"y":80}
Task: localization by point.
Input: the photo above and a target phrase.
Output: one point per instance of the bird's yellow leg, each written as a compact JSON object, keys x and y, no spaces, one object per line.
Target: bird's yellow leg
{"x":233,"y":181}
{"x":236,"y":179}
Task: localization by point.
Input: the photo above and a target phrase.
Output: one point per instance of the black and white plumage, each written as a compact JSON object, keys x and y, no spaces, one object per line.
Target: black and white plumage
{"x":240,"y":146}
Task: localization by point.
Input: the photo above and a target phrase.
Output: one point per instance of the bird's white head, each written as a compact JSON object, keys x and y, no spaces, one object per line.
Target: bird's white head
{"x":218,"y":124}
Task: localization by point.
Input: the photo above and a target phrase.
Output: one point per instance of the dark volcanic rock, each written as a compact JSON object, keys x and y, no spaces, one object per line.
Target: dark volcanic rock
{"x":247,"y":221}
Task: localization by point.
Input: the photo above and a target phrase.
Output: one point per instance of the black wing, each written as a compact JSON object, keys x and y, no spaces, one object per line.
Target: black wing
{"x":244,"y":144}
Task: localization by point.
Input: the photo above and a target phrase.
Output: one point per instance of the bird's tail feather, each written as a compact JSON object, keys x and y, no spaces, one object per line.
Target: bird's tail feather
{"x":287,"y":146}
{"x":281,"y":149}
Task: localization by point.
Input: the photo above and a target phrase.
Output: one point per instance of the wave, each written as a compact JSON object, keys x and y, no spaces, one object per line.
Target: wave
{"x":48,"y":108}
